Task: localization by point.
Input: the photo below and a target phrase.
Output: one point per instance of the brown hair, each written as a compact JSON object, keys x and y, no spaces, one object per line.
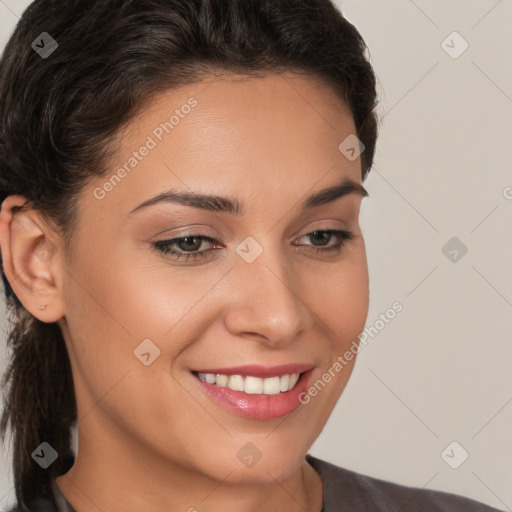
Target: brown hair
{"x":59,"y":116}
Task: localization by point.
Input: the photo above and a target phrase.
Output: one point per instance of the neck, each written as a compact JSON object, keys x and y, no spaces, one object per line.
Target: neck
{"x":114,"y":473}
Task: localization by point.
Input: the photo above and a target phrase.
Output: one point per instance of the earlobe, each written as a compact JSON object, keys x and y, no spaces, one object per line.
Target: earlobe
{"x":29,"y":259}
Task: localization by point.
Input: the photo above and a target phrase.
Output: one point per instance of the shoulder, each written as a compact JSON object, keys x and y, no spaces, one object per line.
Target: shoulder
{"x":364,"y":493}
{"x":37,"y":504}
{"x":48,"y":499}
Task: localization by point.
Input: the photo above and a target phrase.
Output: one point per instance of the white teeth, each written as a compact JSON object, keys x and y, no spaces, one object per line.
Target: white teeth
{"x":210,"y":378}
{"x":222,"y":380}
{"x":236,"y":383}
{"x":294,"y":377}
{"x":252,"y":385}
{"x":272,"y":386}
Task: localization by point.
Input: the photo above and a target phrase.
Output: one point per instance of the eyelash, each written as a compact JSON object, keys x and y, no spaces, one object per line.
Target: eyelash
{"x":163,"y":246}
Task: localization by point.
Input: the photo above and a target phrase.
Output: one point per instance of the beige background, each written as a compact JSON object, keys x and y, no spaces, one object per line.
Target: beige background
{"x":440,"y":370}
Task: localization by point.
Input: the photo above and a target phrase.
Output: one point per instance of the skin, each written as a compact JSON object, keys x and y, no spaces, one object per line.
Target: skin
{"x":148,"y":438}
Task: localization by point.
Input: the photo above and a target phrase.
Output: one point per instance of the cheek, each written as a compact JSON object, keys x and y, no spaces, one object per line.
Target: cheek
{"x":340,"y":295}
{"x":341,"y":300}
{"x":108,"y":314}
{"x":106,"y":321}
{"x":114,"y":304}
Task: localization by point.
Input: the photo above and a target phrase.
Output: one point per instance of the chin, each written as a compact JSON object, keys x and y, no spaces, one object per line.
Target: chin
{"x":274,"y":466}
{"x":259,"y":474}
{"x":271,"y":465}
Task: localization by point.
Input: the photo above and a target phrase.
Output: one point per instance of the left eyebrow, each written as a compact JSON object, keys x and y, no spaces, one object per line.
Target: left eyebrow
{"x":330,"y":194}
{"x":235,"y":207}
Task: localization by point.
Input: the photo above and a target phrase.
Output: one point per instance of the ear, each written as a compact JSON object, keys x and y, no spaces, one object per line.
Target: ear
{"x":30,"y":255}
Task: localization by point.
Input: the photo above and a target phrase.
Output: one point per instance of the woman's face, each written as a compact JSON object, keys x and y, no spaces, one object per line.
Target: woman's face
{"x":140,"y":322}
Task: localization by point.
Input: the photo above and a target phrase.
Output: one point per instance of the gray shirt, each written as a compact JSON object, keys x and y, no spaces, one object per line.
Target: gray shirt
{"x":348,"y":491}
{"x":344,"y":491}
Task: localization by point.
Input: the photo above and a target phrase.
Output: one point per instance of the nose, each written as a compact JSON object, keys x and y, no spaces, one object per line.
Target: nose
{"x":266,"y":302}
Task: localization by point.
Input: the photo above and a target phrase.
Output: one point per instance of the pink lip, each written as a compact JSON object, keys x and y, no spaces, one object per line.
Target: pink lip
{"x":262,"y":406}
{"x":256,"y":370}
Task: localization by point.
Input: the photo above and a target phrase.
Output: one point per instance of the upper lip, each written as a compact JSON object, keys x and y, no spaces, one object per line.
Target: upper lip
{"x":256,"y":370}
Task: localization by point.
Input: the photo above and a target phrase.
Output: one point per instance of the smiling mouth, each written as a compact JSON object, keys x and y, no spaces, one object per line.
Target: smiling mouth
{"x":252,"y":385}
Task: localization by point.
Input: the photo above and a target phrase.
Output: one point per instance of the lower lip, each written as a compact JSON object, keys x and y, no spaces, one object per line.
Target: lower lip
{"x":264,"y":407}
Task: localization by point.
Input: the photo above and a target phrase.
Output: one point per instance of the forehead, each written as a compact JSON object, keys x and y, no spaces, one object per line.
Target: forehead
{"x":242,"y":108}
{"x":232,"y":135}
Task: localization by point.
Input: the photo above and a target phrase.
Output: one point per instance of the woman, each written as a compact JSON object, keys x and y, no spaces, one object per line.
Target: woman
{"x":181,"y":185}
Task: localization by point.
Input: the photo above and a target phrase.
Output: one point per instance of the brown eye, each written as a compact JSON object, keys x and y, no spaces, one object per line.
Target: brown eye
{"x":324,"y":237}
{"x":188,"y":246}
